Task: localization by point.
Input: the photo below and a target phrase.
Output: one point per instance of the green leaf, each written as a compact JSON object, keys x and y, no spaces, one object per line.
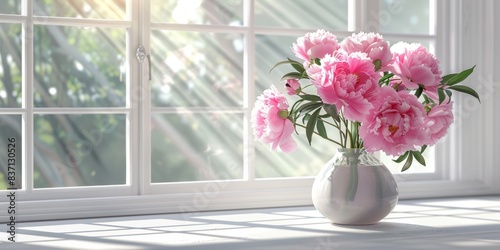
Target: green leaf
{"x":292,"y":75}
{"x":292,"y":110}
{"x":441,"y":95}
{"x":423,"y":149}
{"x":279,"y":64}
{"x":385,"y":77}
{"x":465,"y":89}
{"x":320,"y":125}
{"x":408,"y":163}
{"x":313,"y":98}
{"x":311,"y":124}
{"x":307,"y":107}
{"x":418,"y":156}
{"x":449,"y":93}
{"x":427,"y":100}
{"x":446,"y":78}
{"x":460,"y":76}
{"x":402,"y":157}
{"x":297,"y":66}
{"x":331,"y":110}
{"x":306,"y":118}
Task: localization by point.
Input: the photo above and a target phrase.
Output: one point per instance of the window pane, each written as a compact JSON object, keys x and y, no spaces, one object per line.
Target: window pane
{"x":11,"y":65}
{"x":268,"y":51}
{"x":100,"y":9}
{"x":10,"y":150}
{"x":10,"y":7}
{"x":79,"y":67}
{"x":314,"y":14}
{"x":197,"y":146}
{"x":79,"y":150}
{"x":408,"y":17}
{"x":215,"y":12}
{"x":197,"y":69}
{"x":305,"y":161}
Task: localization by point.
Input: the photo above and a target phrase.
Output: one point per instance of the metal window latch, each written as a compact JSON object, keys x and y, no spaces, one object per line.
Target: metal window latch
{"x":140,"y":53}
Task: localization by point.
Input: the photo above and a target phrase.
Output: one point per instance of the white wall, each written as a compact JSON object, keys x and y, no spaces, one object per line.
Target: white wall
{"x":496,"y":84}
{"x":478,"y":124}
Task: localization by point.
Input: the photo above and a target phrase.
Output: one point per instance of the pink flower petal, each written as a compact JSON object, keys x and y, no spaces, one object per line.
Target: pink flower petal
{"x":267,"y":125}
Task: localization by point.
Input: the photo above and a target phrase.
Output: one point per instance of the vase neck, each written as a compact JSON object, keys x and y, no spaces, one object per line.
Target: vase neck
{"x":355,"y":157}
{"x":351,"y":151}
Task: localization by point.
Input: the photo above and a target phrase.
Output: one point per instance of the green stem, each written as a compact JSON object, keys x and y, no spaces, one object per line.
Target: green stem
{"x":419,"y":91}
{"x":331,"y":124}
{"x":347,"y":132}
{"x":305,"y":87}
{"x":328,"y":139}
{"x":355,"y":131}
{"x":341,"y":137}
{"x":334,"y":125}
{"x":353,"y":183}
{"x":396,"y":86}
{"x":353,"y":162}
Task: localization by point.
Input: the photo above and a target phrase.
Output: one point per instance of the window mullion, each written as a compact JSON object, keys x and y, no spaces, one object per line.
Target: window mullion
{"x":364,"y":16}
{"x":141,"y":95}
{"x":249,"y":93}
{"x":28,"y":85}
{"x":444,"y":45}
{"x":133,"y":121}
{"x":355,"y":16}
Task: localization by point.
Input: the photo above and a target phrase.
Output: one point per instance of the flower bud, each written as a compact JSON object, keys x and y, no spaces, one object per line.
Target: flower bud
{"x":293,"y":87}
{"x":283,"y":113}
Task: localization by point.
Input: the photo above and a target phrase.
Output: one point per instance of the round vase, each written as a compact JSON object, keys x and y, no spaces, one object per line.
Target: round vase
{"x":354,"y":188}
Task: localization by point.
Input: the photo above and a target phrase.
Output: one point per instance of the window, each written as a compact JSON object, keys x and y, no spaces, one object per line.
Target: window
{"x":95,"y":136}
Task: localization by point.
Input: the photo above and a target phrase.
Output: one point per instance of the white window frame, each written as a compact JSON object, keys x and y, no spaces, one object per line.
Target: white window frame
{"x":466,"y":168}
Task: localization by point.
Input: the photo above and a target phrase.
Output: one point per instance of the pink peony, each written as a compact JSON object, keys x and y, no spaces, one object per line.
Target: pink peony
{"x":415,"y":66}
{"x":315,"y":45}
{"x":269,"y":120}
{"x":437,"y":122}
{"x":346,"y":81}
{"x":373,"y":45}
{"x":292,"y":86}
{"x":396,"y":123}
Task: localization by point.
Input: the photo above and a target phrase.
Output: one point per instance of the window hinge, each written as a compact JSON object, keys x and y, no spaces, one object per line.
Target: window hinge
{"x":140,"y":53}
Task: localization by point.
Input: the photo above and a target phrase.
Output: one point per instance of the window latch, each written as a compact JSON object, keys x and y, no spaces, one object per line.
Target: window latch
{"x":140,"y":53}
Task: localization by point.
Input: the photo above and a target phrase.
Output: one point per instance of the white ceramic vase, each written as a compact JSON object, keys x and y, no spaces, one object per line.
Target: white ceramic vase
{"x":354,"y":188}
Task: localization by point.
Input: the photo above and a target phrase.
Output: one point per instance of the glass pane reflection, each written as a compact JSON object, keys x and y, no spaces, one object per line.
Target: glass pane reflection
{"x":193,"y":69}
{"x":196,"y":147}
{"x":79,"y":67}
{"x":312,"y":14}
{"x":11,"y":153}
{"x":97,"y":9}
{"x":79,"y":150}
{"x":10,"y":66}
{"x":406,"y":17}
{"x":213,"y":12}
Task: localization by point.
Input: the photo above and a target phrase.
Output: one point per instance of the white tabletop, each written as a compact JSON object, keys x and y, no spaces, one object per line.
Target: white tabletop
{"x":454,"y":223}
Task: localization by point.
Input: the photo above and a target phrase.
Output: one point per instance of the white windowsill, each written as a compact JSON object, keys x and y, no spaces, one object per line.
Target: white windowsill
{"x":453,"y":223}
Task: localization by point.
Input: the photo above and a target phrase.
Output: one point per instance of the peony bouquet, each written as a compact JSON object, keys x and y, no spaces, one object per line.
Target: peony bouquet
{"x":374,"y":96}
